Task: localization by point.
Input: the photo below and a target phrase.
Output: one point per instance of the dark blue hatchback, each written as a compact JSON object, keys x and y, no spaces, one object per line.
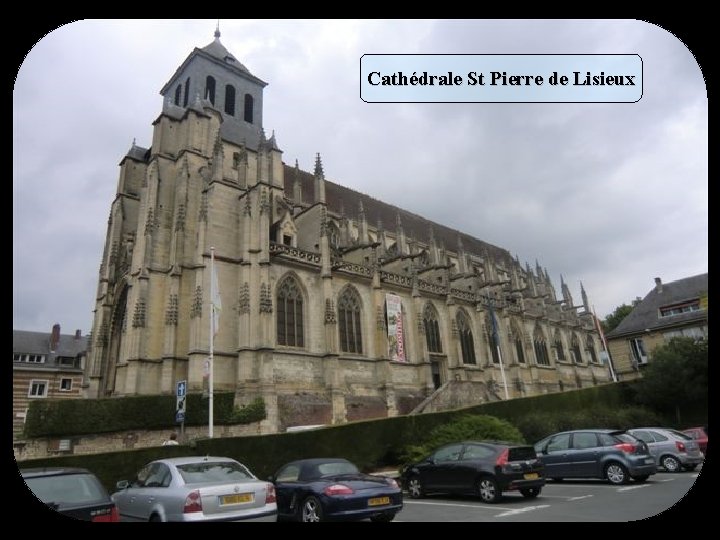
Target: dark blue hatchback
{"x":333,"y":489}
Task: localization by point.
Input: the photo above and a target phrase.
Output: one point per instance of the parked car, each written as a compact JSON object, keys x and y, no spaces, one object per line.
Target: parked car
{"x":700,"y":435}
{"x":331,"y":489}
{"x":72,"y":492}
{"x":483,"y":468}
{"x":195,"y":489}
{"x":613,"y":455}
{"x":671,"y":449}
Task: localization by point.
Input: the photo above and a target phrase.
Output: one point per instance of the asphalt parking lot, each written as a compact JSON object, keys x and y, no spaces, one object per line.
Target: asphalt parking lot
{"x":569,"y":501}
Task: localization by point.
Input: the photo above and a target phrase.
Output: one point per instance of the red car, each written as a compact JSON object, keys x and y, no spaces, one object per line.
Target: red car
{"x":700,"y":435}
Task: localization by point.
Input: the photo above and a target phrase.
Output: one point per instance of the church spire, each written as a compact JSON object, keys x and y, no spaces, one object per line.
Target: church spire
{"x":319,"y":180}
{"x":217,"y":30}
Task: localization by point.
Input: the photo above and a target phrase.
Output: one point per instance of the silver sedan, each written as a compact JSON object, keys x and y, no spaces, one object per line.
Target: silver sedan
{"x":195,"y":489}
{"x":671,"y":449}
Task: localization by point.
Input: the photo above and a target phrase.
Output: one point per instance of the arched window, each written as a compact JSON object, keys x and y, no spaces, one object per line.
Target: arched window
{"x":187,"y":92}
{"x":591,"y":350}
{"x":249,"y":108}
{"x":519,"y":347}
{"x":492,"y":337}
{"x":230,"y":99}
{"x":178,"y":91}
{"x":349,"y":313}
{"x":541,"y":353}
{"x":432,"y":329}
{"x":467,"y":344}
{"x":210,"y":89}
{"x":290,"y":314}
{"x":575,"y":350}
{"x":559,"y":349}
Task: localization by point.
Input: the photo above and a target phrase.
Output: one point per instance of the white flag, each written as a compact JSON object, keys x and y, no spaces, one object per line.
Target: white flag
{"x":216,"y":302}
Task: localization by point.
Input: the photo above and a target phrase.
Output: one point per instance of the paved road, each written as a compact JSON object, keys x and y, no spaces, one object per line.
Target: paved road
{"x":570,"y":500}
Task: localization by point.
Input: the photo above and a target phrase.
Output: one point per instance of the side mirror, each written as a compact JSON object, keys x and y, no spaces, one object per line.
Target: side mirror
{"x":122,"y":484}
{"x":271,"y":479}
{"x":430,"y":460}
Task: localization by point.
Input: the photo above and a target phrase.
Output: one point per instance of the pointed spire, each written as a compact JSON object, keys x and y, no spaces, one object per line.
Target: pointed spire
{"x":318,"y":166}
{"x":586,"y":304}
{"x":217,"y":30}
{"x":297,"y":188}
{"x":432,"y":234}
{"x":319,"y":180}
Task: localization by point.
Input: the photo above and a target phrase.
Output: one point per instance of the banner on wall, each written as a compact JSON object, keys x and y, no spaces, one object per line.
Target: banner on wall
{"x":396,"y":341}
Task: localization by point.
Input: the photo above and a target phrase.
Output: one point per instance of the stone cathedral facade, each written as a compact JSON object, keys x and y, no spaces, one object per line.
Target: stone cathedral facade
{"x":335,"y":306}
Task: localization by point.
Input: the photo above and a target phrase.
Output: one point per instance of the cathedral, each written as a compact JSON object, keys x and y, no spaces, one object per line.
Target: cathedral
{"x":335,"y":306}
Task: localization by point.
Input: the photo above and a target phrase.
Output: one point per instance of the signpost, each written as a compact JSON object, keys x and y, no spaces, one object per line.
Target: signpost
{"x":180,"y":400}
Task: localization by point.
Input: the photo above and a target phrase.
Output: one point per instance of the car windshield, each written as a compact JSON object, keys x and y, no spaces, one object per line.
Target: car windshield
{"x":67,"y":490}
{"x":336,"y":468}
{"x":214,"y":471}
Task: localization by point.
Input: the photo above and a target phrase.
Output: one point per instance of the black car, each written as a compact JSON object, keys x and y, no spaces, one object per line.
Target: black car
{"x":614,"y":455}
{"x":483,"y":468}
{"x":72,"y":492}
{"x":333,"y":489}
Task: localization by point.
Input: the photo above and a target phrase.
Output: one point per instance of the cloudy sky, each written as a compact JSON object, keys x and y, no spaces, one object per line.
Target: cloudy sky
{"x":612,"y":195}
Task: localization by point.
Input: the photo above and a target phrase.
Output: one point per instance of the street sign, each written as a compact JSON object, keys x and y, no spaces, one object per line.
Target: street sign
{"x":180,"y":395}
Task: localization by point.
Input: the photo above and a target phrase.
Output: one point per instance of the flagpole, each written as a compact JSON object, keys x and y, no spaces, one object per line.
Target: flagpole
{"x":604,"y":344}
{"x":212,"y":343}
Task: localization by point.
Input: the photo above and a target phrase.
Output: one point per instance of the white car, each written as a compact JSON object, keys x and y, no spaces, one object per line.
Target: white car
{"x":195,"y":489}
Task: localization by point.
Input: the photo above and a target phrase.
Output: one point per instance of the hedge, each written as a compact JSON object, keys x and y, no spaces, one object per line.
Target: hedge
{"x":65,"y":417}
{"x":374,"y":443}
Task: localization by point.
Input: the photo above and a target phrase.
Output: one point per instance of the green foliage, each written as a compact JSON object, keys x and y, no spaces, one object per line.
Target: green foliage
{"x":616,"y":317}
{"x":87,"y":416}
{"x":676,"y":378}
{"x":539,"y":424}
{"x":464,"y":428}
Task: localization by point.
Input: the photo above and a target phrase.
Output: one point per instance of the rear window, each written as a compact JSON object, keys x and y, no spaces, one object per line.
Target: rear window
{"x":680,"y":434}
{"x":521,"y":453}
{"x":68,"y":490}
{"x":334,"y":468}
{"x":217,"y":471}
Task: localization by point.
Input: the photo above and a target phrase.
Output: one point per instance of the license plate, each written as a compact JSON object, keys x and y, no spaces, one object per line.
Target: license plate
{"x":378,"y":501}
{"x":237,"y":499}
{"x":649,"y":460}
{"x":531,"y":476}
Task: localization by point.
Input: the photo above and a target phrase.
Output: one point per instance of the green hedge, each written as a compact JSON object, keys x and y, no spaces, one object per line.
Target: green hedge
{"x":377,"y":443}
{"x":48,"y":418}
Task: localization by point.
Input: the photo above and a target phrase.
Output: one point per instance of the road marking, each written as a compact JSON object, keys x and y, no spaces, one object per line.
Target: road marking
{"x":461,"y":505}
{"x":667,"y":480}
{"x":516,"y":511}
{"x":633,"y":487}
{"x":580,"y":497}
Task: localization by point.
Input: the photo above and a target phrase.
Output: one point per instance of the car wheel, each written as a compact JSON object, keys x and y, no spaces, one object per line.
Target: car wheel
{"x":488,"y":490}
{"x":415,"y":488}
{"x":530,"y":493}
{"x":155,"y":517}
{"x":641,"y":478}
{"x":689,"y":467}
{"x":311,"y":510}
{"x":383,"y":518}
{"x":616,"y":473}
{"x":670,"y":464}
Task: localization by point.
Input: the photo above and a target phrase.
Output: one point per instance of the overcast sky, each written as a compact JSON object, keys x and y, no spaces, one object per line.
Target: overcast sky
{"x":612,"y":195}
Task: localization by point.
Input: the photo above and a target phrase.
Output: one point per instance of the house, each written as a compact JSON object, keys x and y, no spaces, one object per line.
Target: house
{"x":669,"y":310}
{"x":45,"y":365}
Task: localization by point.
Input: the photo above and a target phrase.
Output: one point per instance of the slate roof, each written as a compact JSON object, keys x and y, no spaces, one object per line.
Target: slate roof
{"x":25,"y":342}
{"x":415,"y":227}
{"x":646,"y":315}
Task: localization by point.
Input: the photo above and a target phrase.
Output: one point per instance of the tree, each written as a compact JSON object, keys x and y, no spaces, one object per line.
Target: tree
{"x":676,"y":378}
{"x":616,"y":317}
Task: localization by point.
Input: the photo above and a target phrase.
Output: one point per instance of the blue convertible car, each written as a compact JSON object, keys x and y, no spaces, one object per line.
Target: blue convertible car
{"x":333,"y":489}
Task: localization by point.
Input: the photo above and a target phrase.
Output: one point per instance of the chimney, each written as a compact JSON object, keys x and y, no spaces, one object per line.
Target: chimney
{"x":54,"y":337}
{"x":658,"y":284}
{"x":77,"y":334}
